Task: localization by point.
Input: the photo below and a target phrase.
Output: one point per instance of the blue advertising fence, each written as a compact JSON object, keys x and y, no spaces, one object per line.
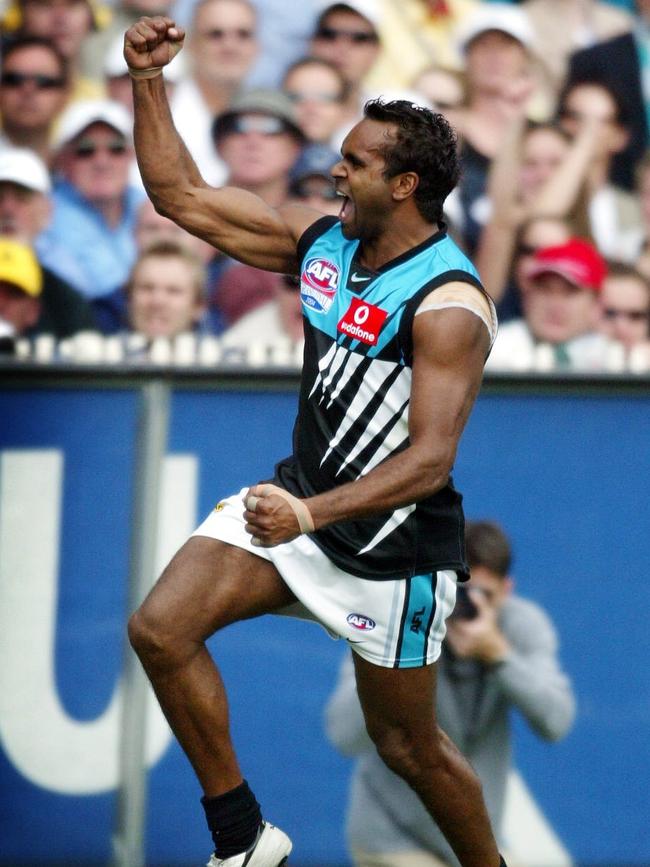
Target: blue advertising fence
{"x":563,"y":465}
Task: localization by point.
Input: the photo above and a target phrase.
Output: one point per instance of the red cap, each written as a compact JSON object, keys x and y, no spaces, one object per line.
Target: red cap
{"x":577,"y":261}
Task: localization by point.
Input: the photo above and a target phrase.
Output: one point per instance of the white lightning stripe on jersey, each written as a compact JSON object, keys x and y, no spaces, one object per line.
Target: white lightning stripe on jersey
{"x":323,"y":364}
{"x":395,"y":438}
{"x":360,"y":401}
{"x":396,"y":395}
{"x":352,"y":362}
{"x":398,"y":517}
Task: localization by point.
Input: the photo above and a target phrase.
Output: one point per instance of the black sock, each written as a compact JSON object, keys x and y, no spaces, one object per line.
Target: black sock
{"x":233,"y":819}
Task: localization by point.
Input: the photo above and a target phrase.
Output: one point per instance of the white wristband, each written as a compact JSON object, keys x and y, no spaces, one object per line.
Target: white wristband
{"x":150,"y":72}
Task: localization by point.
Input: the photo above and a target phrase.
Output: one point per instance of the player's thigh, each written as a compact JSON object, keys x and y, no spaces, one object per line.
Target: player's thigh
{"x":209,"y":584}
{"x":397,"y":699}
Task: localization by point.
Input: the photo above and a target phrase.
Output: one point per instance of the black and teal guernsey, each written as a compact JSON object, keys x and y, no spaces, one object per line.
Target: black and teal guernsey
{"x":354,"y":399}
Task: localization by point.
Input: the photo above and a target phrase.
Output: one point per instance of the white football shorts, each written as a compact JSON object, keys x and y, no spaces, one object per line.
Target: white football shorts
{"x":396,"y":623}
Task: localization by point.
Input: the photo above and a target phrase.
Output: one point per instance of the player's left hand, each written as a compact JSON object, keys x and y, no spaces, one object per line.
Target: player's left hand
{"x":273,"y":516}
{"x":481,"y":637}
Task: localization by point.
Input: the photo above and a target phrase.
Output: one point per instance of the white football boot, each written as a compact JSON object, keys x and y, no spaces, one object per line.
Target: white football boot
{"x":271,"y":848}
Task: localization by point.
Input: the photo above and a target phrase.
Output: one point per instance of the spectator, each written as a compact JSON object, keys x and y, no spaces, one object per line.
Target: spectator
{"x":443,"y":88}
{"x":152,"y":229}
{"x":96,"y":46}
{"x":166,"y":291}
{"x":526,"y":163}
{"x":500,"y":655}
{"x":614,"y":216}
{"x":94,"y":205}
{"x":496,"y":44}
{"x":34,"y":88}
{"x":67,"y":23}
{"x":416,"y":33}
{"x":625,"y":307}
{"x":25,"y":209}
{"x":311,"y":180}
{"x":221,"y":48}
{"x":21,"y":283}
{"x":346,"y":35}
{"x":259,"y":140}
{"x":560,"y":298}
{"x":319,"y":93}
{"x":642,"y":186}
{"x":277,"y":320}
{"x":562,"y":27}
{"x":617,"y":63}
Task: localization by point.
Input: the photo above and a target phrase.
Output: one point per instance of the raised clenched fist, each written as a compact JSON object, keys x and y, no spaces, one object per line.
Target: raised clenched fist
{"x":151,"y":43}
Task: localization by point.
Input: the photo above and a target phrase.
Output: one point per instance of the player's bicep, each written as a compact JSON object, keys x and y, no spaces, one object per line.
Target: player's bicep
{"x":245,"y":227}
{"x":449,"y":350}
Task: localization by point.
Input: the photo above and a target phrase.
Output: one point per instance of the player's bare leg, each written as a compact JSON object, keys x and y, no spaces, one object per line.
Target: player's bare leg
{"x":399,"y":709}
{"x":207,"y":586}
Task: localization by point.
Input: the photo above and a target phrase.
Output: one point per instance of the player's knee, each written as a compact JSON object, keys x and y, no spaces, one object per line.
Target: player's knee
{"x":408,"y":754}
{"x":151,"y":639}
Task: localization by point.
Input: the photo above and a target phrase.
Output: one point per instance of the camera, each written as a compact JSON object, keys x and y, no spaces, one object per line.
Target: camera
{"x":464,"y":609}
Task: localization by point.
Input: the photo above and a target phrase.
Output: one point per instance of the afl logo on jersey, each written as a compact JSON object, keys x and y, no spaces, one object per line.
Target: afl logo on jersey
{"x":359,"y":621}
{"x":318,"y":284}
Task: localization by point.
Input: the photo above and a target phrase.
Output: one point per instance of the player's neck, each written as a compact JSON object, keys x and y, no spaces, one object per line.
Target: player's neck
{"x":394,"y":242}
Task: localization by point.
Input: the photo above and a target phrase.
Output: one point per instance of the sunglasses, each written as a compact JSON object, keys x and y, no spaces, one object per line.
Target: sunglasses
{"x":312,"y":96}
{"x":632,"y":315}
{"x":218,"y":34}
{"x":42,"y":82}
{"x":259,"y":123}
{"x":87,"y":149}
{"x":357,"y":37}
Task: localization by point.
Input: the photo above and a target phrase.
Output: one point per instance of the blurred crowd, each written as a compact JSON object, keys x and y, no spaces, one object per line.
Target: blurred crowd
{"x":550,"y":100}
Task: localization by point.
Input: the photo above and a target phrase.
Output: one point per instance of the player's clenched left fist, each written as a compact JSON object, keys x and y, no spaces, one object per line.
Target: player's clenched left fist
{"x":150,"y":44}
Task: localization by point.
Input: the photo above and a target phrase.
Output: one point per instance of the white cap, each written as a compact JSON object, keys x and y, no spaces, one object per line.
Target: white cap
{"x":81,"y":114}
{"x":496,"y":16}
{"x":368,"y":9}
{"x":388,"y":94}
{"x":24,"y":167}
{"x":115,"y":64}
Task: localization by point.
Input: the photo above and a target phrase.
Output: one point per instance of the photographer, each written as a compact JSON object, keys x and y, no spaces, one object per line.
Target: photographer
{"x":500,"y":653}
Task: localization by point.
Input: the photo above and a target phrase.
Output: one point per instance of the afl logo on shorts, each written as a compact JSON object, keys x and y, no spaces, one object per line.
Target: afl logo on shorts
{"x":363,"y":624}
{"x":318,"y":284}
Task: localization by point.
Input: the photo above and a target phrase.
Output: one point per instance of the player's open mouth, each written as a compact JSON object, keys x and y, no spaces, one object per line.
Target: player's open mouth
{"x":346,"y":207}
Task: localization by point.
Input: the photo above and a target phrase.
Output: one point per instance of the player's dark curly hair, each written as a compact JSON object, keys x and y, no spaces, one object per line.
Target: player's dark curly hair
{"x":425,"y":144}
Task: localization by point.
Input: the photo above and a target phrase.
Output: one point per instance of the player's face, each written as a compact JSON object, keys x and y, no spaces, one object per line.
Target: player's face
{"x":359,"y":177}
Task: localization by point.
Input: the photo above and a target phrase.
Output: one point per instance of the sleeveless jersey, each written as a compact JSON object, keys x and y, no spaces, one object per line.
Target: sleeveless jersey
{"x":354,"y":398}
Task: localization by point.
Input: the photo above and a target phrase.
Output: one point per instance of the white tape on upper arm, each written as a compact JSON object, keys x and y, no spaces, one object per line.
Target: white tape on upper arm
{"x":465,"y":296}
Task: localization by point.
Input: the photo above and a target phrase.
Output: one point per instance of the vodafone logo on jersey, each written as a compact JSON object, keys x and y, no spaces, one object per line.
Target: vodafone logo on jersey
{"x":363,"y":322}
{"x":318,"y":284}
